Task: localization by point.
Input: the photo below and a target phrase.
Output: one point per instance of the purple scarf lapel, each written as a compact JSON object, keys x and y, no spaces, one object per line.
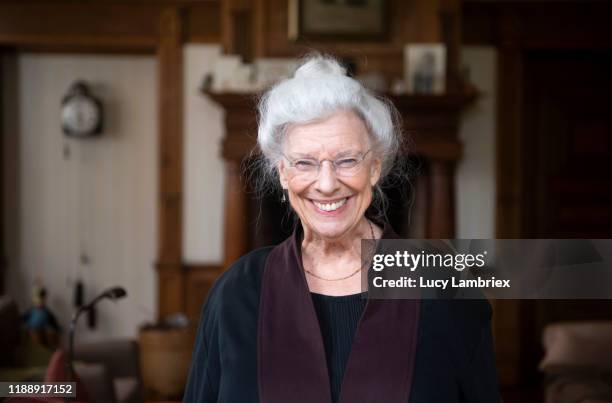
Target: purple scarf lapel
{"x":292,"y":367}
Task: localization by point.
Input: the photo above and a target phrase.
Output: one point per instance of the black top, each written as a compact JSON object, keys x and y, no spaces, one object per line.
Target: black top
{"x":454,"y":360}
{"x":338,"y":320}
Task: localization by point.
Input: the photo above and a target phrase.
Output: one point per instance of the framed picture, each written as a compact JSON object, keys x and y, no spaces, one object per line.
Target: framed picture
{"x":338,"y":19}
{"x":425,"y":68}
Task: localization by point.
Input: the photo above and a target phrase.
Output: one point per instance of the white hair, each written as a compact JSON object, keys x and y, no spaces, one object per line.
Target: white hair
{"x":320,"y":87}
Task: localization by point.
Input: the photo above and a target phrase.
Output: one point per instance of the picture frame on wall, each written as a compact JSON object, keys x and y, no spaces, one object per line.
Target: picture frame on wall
{"x":338,"y":19}
{"x":425,"y":68}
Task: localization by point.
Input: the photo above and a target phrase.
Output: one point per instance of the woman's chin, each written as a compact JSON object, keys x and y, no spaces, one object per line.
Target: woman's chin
{"x":331,"y":231}
{"x":332,"y":224}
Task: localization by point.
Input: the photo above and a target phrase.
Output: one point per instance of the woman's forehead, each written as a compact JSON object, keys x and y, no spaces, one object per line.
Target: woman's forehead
{"x":343,"y":131}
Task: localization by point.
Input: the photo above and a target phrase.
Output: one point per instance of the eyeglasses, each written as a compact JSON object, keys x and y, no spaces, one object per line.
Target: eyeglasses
{"x":347,"y":165}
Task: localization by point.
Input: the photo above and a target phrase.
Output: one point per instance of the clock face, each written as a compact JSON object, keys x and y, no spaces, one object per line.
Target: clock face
{"x":80,"y":115}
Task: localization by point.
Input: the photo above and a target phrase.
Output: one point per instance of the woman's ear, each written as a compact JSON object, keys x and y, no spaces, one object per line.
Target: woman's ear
{"x":375,"y":170}
{"x":282,"y":175}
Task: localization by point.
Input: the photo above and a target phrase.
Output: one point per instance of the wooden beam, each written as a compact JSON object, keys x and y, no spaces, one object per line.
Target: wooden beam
{"x":203,"y":23}
{"x":101,"y":27}
{"x":9,"y":175}
{"x":509,"y":136}
{"x":507,"y":313}
{"x":171,"y":279}
{"x":78,"y":20}
{"x":80,"y":43}
{"x":3,"y":259}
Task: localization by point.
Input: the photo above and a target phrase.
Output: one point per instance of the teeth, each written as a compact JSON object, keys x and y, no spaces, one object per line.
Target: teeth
{"x":330,"y":206}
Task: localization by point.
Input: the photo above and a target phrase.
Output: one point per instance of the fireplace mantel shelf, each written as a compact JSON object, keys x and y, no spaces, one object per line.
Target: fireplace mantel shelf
{"x":430,"y":123}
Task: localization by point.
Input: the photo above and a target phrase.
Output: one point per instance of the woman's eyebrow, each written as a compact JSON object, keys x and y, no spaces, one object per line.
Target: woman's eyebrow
{"x":341,"y":154}
{"x":301,"y":155}
{"x":348,"y":153}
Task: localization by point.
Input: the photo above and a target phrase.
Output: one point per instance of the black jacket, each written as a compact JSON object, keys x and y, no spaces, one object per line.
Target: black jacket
{"x":253,"y":346}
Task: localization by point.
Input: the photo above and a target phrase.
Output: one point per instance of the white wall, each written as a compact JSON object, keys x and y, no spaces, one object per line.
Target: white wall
{"x":475,"y":180}
{"x":94,"y":197}
{"x":203,"y":169}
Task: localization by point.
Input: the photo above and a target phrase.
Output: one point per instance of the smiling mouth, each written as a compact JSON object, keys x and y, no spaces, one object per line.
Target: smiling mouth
{"x":330,"y":206}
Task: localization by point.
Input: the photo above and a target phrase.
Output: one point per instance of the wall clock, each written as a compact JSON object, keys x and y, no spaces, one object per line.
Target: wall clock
{"x":82,"y":113}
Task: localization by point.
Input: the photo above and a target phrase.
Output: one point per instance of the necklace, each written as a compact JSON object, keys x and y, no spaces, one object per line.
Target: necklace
{"x":345,"y":277}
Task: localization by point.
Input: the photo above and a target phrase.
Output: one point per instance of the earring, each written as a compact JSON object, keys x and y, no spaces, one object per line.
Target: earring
{"x":283,"y":197}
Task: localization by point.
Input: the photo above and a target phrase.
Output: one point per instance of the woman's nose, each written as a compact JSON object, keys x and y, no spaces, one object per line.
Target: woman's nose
{"x":327,"y":181}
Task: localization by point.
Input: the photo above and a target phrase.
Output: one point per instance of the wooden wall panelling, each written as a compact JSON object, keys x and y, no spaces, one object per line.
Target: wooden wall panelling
{"x":580,"y":24}
{"x":411,"y":21}
{"x":199,"y":280}
{"x":516,"y":28}
{"x":203,"y":22}
{"x":259,"y":26}
{"x":500,"y":27}
{"x":426,"y":18}
{"x":79,"y":26}
{"x":237,"y":21}
{"x":98,"y":27}
{"x":171,"y":279}
{"x":227,"y":27}
{"x":481,"y":26}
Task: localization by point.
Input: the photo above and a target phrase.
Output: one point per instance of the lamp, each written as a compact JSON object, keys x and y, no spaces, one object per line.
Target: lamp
{"x":113,"y":293}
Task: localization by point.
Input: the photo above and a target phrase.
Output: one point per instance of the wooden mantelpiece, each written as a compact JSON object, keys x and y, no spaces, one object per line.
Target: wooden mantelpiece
{"x":430,"y":121}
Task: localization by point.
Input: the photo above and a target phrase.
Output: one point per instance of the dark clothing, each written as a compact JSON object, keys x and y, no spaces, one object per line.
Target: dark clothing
{"x":260,"y":340}
{"x":338,"y":318}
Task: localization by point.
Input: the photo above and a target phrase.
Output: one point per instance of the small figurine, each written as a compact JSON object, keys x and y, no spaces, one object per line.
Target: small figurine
{"x":40,"y":321}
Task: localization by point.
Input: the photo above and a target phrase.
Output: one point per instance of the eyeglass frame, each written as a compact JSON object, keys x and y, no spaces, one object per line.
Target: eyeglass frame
{"x":319,"y":163}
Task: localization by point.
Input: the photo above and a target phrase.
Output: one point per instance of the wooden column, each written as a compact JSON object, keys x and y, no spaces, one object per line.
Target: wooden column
{"x":3,"y":260}
{"x":171,"y":279}
{"x":507,"y":313}
{"x":239,"y":140}
{"x":508,"y":153}
{"x":450,"y":18}
{"x":441,"y":209}
{"x":237,"y":28}
{"x":235,"y":220}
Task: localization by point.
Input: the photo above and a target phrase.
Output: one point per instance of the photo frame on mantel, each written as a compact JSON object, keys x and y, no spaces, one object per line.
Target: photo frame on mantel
{"x":338,"y":19}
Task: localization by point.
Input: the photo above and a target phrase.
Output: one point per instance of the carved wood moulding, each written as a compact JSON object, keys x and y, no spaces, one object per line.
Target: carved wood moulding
{"x":430,"y":123}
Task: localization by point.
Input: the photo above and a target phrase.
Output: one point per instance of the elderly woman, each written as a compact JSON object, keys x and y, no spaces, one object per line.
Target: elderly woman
{"x":290,"y":324}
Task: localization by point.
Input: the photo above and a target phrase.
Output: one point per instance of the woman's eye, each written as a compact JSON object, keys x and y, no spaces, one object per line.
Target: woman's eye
{"x":347,"y":162}
{"x":304,"y":164}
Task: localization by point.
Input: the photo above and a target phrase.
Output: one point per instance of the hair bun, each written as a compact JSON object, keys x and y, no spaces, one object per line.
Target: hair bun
{"x":318,"y":66}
